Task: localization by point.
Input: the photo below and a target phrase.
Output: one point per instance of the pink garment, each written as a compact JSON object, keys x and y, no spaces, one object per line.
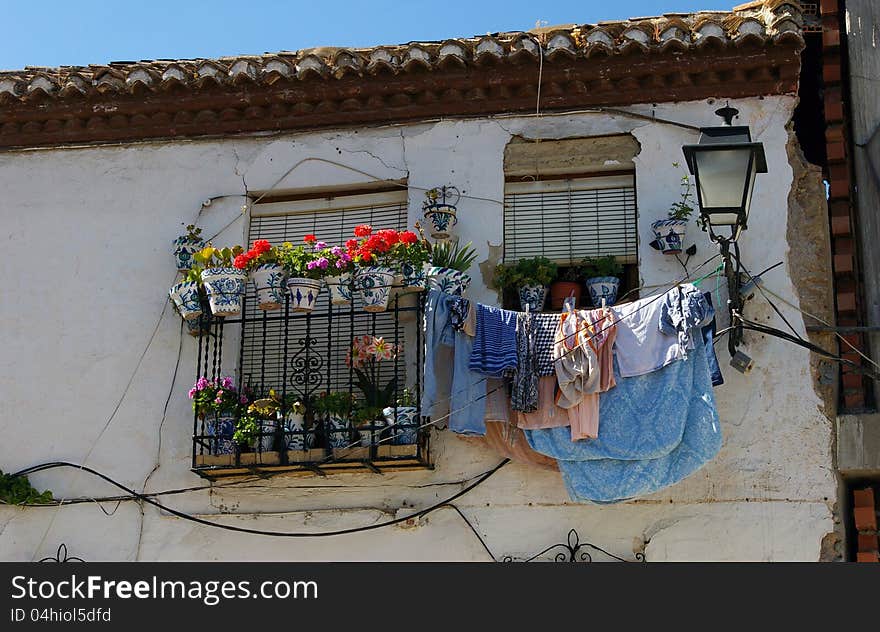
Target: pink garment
{"x":548,"y":415}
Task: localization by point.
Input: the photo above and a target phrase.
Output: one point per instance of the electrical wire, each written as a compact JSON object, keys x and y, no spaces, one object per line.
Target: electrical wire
{"x":281,"y":534}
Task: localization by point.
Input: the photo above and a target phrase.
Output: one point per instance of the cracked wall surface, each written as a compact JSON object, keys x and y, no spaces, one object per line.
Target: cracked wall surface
{"x":105,"y":222}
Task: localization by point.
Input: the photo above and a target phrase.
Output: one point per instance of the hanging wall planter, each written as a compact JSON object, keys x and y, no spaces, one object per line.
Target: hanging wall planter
{"x":186,"y":246}
{"x":669,"y":235}
{"x":414,"y":277}
{"x":440,"y":210}
{"x":303,"y":293}
{"x":448,"y":280}
{"x":374,"y":283}
{"x":225,"y":289}
{"x":268,"y":280}
{"x":186,"y":299}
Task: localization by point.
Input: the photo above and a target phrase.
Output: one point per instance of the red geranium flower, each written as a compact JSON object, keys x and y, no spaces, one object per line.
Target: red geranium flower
{"x":362,"y":230}
{"x":389,"y":236}
{"x":240,"y":262}
{"x":261,"y":246}
{"x":310,"y":239}
{"x":408,"y":237}
{"x":351,"y":244}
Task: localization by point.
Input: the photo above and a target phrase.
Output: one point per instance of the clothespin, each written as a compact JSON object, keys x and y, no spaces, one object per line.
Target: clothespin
{"x":603,"y":302}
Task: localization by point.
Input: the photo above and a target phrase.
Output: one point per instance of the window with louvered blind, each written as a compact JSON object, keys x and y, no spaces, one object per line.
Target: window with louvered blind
{"x":331,"y":219}
{"x":566,"y":220}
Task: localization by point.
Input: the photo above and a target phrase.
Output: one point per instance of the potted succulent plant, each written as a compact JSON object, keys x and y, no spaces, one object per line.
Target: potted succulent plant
{"x":261,"y":264}
{"x":449,"y":265}
{"x":669,"y":233}
{"x":567,"y":284}
{"x":223,"y":282}
{"x":373,"y":255}
{"x":602,"y":278}
{"x":186,"y":296}
{"x":529,"y":277}
{"x":186,"y":246}
{"x":217,"y":403}
{"x":305,"y":266}
{"x":440,"y":211}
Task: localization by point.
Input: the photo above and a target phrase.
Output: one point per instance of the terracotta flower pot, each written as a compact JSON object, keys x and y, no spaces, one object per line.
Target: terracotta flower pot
{"x":561,"y":290}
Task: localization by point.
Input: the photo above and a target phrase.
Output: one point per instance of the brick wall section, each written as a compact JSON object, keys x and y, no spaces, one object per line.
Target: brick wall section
{"x":854,"y":387}
{"x":865,"y":514}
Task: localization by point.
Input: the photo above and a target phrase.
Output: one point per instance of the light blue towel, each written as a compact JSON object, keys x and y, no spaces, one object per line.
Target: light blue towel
{"x":679,"y":394}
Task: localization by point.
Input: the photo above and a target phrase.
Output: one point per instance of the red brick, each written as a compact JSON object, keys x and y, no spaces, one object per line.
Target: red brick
{"x":843,"y":263}
{"x":867,"y":542}
{"x":846,"y":301}
{"x":839,"y":208}
{"x":828,"y":7}
{"x":834,"y":133}
{"x":831,"y":38}
{"x":852,"y":381}
{"x":854,"y":339}
{"x":866,"y":518}
{"x":864,"y":497}
{"x":854,"y":401}
{"x":836,"y":152}
{"x":843,"y":246}
{"x":840,"y":226}
{"x":831,"y":72}
{"x":867,"y":557}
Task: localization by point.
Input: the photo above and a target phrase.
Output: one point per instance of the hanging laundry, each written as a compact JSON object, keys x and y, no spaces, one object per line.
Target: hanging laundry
{"x":640,"y":346}
{"x":658,"y":428}
{"x":709,"y":340}
{"x":547,"y":414}
{"x":463,"y":315}
{"x":524,"y":390}
{"x":545,"y":333}
{"x":450,"y":387}
{"x":682,"y":310}
{"x":583,"y":345}
{"x":494,"y":349}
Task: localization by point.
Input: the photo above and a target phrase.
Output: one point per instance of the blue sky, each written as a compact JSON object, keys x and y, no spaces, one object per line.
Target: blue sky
{"x":80,"y":32}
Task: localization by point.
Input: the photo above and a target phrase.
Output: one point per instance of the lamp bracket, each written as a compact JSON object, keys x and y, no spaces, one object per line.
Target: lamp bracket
{"x":727,"y":113}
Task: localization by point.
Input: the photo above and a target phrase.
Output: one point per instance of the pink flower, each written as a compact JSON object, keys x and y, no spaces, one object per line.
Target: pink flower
{"x":226,"y":382}
{"x":192,"y":392}
{"x":311,"y":265}
{"x":202,"y":384}
{"x":320,"y":245}
{"x":337,"y":251}
{"x":243,"y":399}
{"x":323,"y":262}
{"x":219,"y":400}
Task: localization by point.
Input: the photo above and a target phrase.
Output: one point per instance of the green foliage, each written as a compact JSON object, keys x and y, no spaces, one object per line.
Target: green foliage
{"x":406,"y":397}
{"x":683,"y":208}
{"x":534,"y":271}
{"x":209,"y":256}
{"x":296,"y":260}
{"x":246,"y":429}
{"x":365,"y":415}
{"x":17,"y":490}
{"x":452,"y":255}
{"x":338,"y":403}
{"x":606,"y":265}
{"x":193,"y":234}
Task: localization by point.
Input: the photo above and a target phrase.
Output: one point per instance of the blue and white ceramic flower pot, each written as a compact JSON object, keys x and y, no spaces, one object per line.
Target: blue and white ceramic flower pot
{"x":405,"y":426}
{"x":268,"y":280}
{"x":375,"y":283}
{"x":295,"y":434}
{"x":371,"y":433}
{"x":186,"y":299}
{"x":266,"y":438}
{"x":225,"y":289}
{"x":340,"y":288}
{"x":184,"y":249}
{"x":448,"y":280}
{"x":442,"y":218}
{"x":414,"y":277}
{"x":303,"y":293}
{"x":532,"y":297}
{"x":603,"y":287}
{"x":220,"y":429}
{"x":338,"y":431}
{"x":669,"y":235}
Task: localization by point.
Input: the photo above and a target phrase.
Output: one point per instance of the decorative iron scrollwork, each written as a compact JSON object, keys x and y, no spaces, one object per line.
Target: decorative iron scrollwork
{"x":62,"y":556}
{"x":307,"y":366}
{"x":574,"y":551}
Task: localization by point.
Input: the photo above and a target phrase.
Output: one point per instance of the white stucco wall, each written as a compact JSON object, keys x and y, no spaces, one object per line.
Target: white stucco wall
{"x":86,"y":267}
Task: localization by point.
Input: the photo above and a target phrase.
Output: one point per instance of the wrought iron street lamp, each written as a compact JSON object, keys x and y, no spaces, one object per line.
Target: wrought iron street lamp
{"x":724,"y":164}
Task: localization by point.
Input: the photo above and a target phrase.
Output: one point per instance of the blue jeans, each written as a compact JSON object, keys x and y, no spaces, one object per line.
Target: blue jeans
{"x":708,"y":334}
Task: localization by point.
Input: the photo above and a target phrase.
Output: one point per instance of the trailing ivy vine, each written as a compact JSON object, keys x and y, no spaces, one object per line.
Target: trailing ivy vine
{"x":17,"y":490}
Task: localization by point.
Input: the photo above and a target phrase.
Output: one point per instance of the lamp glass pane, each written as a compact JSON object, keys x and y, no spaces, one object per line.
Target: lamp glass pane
{"x":722,"y":175}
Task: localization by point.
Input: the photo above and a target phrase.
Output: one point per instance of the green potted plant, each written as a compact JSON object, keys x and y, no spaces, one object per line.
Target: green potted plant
{"x":373,"y":256}
{"x":186,"y":246}
{"x":450,"y":262}
{"x":669,"y":233}
{"x":602,"y":278}
{"x":217,"y":403}
{"x":530,"y":278}
{"x":223,"y":282}
{"x":402,"y":418}
{"x":305,"y":267}
{"x":335,"y":408}
{"x":261,"y":264}
{"x":340,"y":275}
{"x":567,"y":284}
